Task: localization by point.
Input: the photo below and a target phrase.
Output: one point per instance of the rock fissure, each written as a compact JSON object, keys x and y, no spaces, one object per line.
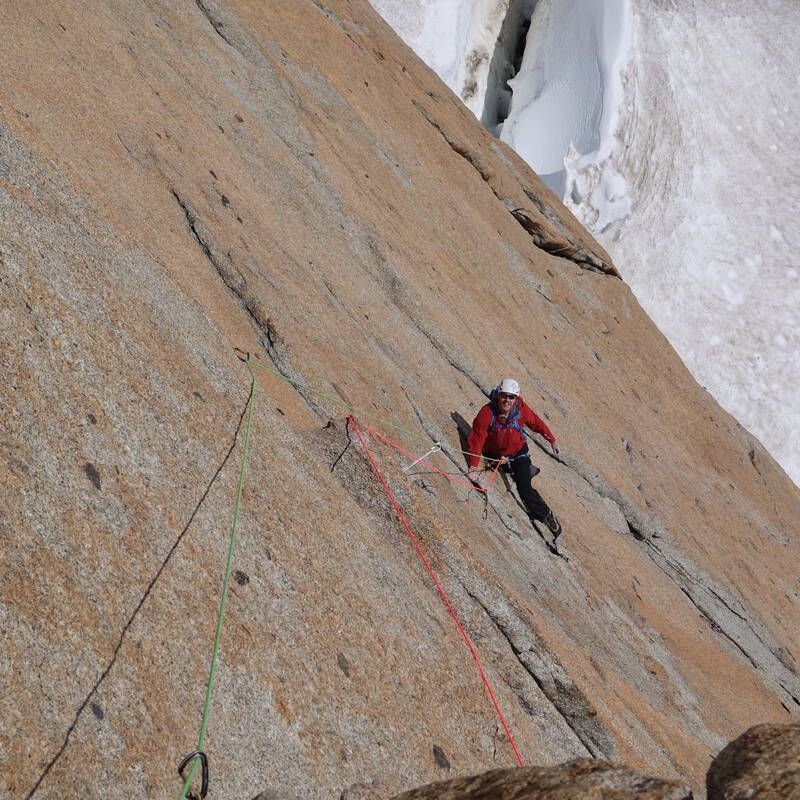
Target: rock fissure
{"x":235,"y":282}
{"x":795,"y":700}
{"x":328,"y":12}
{"x":560,"y":248}
{"x":551,"y":678}
{"x":639,"y":525}
{"x":728,"y":606}
{"x":690,"y":580}
{"x":451,"y":360}
{"x":550,"y":215}
{"x":737,"y":628}
{"x":132,"y":618}
{"x":219,"y":27}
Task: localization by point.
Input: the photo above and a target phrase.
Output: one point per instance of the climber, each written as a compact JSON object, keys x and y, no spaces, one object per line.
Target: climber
{"x":497,"y":432}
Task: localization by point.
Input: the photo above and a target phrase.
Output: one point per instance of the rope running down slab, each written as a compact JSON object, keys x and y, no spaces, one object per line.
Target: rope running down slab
{"x":442,"y":594}
{"x":225,"y":583}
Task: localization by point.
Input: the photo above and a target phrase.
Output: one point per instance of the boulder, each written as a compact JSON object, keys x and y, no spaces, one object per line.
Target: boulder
{"x":764,"y":762}
{"x":579,"y":779}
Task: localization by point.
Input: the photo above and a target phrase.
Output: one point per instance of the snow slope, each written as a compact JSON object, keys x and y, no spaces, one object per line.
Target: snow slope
{"x":671,"y":131}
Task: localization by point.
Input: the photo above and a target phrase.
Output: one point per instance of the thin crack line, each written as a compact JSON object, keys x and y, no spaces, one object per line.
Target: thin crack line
{"x":215,"y":24}
{"x":135,"y":613}
{"x":536,"y":679}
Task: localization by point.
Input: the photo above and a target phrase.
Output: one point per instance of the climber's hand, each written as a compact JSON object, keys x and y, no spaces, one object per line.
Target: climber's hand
{"x":474,"y":476}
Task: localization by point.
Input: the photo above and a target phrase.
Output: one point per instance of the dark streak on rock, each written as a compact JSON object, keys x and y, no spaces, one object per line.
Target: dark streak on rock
{"x":442,"y":761}
{"x":219,"y":27}
{"x":343,"y":664}
{"x":560,"y":248}
{"x":566,"y":698}
{"x":451,"y":360}
{"x":242,"y":578}
{"x":92,"y":474}
{"x":237,"y":284}
{"x":337,"y":21}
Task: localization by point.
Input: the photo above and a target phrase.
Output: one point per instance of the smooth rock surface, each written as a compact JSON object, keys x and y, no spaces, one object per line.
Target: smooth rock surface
{"x":763,"y":763}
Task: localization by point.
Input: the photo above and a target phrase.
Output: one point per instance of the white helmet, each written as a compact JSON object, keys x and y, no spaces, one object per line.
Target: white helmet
{"x":509,"y":386}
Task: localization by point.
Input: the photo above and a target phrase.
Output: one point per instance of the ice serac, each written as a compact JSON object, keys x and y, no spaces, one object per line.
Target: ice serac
{"x":178,"y":180}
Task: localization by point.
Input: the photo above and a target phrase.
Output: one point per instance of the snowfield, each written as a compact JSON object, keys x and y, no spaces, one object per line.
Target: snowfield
{"x":671,"y":131}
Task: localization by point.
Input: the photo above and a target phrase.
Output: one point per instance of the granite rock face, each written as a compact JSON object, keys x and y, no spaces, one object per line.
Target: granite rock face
{"x":179,"y":180}
{"x":581,"y":779}
{"x":764,"y":762}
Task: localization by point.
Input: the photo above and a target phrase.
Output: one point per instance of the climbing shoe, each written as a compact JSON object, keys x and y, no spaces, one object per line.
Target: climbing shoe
{"x":553,"y":524}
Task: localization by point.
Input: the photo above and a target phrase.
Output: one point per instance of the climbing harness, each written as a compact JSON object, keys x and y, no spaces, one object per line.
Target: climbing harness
{"x":442,"y":594}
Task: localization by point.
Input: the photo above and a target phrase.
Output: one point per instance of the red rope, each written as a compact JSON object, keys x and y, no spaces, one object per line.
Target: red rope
{"x":422,"y":460}
{"x":494,"y":473}
{"x":450,"y":608}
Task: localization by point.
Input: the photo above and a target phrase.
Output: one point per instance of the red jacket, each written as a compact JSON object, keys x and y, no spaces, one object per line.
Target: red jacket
{"x":497,"y":442}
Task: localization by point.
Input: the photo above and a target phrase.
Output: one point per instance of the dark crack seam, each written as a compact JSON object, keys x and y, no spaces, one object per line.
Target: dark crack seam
{"x":706,"y":615}
{"x":704,"y":612}
{"x":138,"y":608}
{"x":679,"y":573}
{"x":517,"y":652}
{"x":215,"y":24}
{"x":550,"y":215}
{"x":589,"y":261}
{"x":677,"y":569}
{"x":266,"y":330}
{"x":443,"y":352}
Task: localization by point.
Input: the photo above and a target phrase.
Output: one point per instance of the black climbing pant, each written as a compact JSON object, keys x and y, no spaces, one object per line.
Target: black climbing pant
{"x":522,"y":472}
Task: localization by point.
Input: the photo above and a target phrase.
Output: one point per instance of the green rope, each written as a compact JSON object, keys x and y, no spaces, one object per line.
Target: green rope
{"x":234,"y":528}
{"x":358,"y":411}
{"x":223,"y":600}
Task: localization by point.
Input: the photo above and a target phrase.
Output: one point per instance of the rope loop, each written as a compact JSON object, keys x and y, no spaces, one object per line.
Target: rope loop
{"x":197,"y":755}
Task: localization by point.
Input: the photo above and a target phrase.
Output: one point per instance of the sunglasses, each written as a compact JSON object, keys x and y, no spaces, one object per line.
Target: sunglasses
{"x":506,"y":396}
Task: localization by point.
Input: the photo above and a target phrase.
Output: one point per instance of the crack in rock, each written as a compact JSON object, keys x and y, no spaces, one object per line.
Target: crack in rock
{"x":451,"y":359}
{"x":132,"y":618}
{"x":548,"y":673}
{"x":556,"y":246}
{"x":714,"y":602}
{"x":328,"y":12}
{"x":731,"y":619}
{"x":219,"y":27}
{"x":236,"y":283}
{"x":641,"y":525}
